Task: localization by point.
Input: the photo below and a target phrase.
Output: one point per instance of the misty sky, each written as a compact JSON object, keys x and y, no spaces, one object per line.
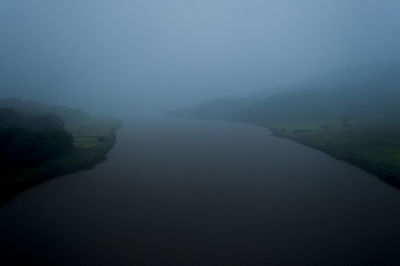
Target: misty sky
{"x":128,"y":56}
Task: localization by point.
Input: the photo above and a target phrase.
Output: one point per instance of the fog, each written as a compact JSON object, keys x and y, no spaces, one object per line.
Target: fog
{"x":308,"y":176}
{"x":127,"y":57}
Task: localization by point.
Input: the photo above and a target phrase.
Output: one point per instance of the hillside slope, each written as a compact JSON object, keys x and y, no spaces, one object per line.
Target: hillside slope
{"x":363,"y":93}
{"x":352,"y":114}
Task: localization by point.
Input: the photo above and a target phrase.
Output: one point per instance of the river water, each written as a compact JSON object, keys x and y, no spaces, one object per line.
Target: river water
{"x":186,"y":192}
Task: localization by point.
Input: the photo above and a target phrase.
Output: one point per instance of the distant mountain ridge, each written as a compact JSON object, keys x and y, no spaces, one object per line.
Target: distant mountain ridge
{"x":356,"y":93}
{"x":353,"y":91}
{"x":352,"y":114}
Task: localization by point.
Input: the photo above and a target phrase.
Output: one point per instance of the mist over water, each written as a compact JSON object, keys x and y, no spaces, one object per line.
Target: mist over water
{"x":127,"y":57}
{"x":175,"y":191}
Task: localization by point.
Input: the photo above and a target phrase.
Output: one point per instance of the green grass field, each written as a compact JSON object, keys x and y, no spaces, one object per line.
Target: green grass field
{"x":372,"y":147}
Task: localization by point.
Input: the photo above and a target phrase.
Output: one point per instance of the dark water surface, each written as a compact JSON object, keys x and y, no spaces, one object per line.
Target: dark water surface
{"x":181,"y":192}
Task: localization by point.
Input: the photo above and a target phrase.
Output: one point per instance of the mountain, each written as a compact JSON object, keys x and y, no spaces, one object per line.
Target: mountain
{"x":355,"y":93}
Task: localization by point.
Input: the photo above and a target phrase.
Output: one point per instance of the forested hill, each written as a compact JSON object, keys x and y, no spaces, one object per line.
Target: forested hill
{"x":352,"y":114}
{"x":10,"y":118}
{"x":354,"y":92}
{"x":28,"y":107}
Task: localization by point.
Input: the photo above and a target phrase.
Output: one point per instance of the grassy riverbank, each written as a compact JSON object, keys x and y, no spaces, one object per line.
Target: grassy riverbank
{"x":373,"y":147}
{"x":91,"y":139}
{"x":91,"y":145}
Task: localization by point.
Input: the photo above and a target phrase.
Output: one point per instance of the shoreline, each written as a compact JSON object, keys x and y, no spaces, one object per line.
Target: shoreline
{"x":379,"y":170}
{"x":78,"y":160}
{"x":362,"y":164}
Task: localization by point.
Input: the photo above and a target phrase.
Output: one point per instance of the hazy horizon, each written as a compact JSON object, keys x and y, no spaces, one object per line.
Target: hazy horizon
{"x":221,"y":132}
{"x":126,"y":56}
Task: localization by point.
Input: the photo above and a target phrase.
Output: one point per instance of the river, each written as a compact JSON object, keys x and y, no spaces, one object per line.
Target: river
{"x":187,"y":192}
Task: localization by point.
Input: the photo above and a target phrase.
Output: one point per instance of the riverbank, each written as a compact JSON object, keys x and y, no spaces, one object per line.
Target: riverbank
{"x":92,"y":142}
{"x":372,"y":147}
{"x":180,"y":183}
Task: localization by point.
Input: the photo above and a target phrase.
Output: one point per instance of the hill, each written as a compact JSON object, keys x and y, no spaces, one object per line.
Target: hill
{"x":352,"y":114}
{"x":356,"y":93}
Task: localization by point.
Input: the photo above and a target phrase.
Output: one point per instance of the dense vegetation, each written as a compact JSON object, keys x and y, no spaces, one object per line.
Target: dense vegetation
{"x":27,"y":107}
{"x":30,"y":140}
{"x":352,"y":114}
{"x":38,"y":141}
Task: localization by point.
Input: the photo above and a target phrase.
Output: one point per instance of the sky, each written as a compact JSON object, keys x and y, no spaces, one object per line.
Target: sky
{"x":123,"y":56}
